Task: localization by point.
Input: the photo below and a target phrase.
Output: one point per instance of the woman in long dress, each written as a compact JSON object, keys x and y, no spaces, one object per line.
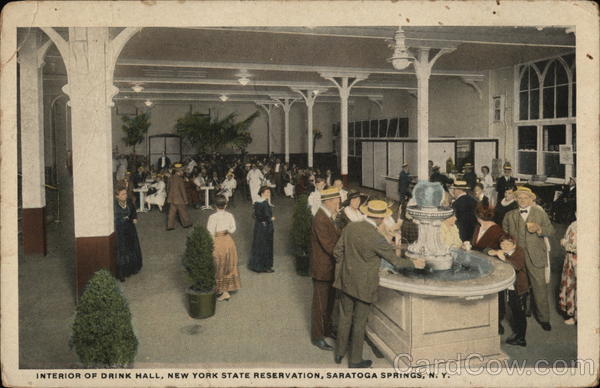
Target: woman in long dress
{"x":221,"y":225}
{"x":159,"y":197}
{"x":488,"y":183}
{"x":261,"y":259}
{"x":567,"y":299}
{"x":129,"y":254}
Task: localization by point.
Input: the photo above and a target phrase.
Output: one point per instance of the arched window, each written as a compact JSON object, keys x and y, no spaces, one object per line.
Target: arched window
{"x":546,"y":116}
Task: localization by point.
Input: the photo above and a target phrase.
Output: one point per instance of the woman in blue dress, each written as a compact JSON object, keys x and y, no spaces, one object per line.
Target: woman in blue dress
{"x":129,"y":254}
{"x":261,"y":259}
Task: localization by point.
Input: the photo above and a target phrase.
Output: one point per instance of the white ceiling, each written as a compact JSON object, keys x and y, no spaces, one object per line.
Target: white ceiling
{"x":180,"y":63}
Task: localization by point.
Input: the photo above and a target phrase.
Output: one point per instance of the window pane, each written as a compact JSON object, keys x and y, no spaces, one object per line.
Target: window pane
{"x":561,"y":74}
{"x":527,"y":138}
{"x":527,"y":162}
{"x":550,"y":78}
{"x":552,"y":166}
{"x":403,"y":127}
{"x":350,"y":129}
{"x":541,"y":65}
{"x":574,"y":74}
{"x":525,"y":80}
{"x":365,"y":128}
{"x":548,"y":103}
{"x":373,"y":130}
{"x":534,"y":83}
{"x":554,"y":135}
{"x":569,"y":58}
{"x":523,"y":104}
{"x":358,"y":148}
{"x":562,"y":101}
{"x":574,"y":100}
{"x":383,"y":124}
{"x":534,"y":107}
{"x":574,"y":137}
{"x":351,"y":149}
{"x":393,"y":127}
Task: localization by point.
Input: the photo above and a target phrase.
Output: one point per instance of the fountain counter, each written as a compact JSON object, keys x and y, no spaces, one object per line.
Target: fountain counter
{"x":435,"y":315}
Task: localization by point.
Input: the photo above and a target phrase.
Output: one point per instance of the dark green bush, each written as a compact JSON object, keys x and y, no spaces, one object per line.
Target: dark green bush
{"x":198,"y":260}
{"x":301,"y":223}
{"x":102,"y":333}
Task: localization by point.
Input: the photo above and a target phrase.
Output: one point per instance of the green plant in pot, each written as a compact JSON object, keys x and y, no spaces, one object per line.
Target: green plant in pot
{"x":200,"y":267}
{"x":300,"y":234}
{"x":102,"y":332}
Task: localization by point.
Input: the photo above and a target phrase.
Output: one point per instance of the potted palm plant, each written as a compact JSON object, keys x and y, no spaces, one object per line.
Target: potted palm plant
{"x":102,"y":332}
{"x":198,"y":262}
{"x":300,"y":234}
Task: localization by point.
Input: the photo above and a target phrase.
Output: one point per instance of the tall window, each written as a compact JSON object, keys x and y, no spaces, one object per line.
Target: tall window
{"x":546,"y":116}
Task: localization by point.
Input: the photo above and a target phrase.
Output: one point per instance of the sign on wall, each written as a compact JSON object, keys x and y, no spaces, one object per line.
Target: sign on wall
{"x":565,"y":153}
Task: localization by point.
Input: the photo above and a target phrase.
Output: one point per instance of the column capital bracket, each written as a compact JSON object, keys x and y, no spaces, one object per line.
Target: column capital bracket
{"x":377,"y":100}
{"x":473,"y":82}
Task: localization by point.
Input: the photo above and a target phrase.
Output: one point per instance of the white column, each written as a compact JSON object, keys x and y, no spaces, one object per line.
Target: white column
{"x":309,"y":97}
{"x":32,"y":122}
{"x":286,"y":104}
{"x":267,"y":106}
{"x":91,"y":131}
{"x":344,"y":85}
{"x":423,"y":68}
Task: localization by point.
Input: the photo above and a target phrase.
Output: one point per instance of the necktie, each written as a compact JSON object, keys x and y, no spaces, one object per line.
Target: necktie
{"x":524,"y":211}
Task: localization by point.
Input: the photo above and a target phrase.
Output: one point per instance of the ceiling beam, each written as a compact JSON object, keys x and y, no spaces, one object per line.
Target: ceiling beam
{"x":241,"y":92}
{"x":204,"y":99}
{"x":226,"y":82}
{"x":291,"y":67}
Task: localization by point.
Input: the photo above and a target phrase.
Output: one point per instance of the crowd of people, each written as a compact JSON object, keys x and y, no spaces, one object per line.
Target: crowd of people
{"x":353,"y":236}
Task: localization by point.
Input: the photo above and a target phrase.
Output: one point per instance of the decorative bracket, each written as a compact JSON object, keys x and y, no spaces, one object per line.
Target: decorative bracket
{"x":473,"y":83}
{"x":377,"y":100}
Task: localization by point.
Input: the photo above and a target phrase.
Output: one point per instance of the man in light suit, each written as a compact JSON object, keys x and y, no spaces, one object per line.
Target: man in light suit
{"x":324,"y":235}
{"x":529,"y":224}
{"x":358,"y":255}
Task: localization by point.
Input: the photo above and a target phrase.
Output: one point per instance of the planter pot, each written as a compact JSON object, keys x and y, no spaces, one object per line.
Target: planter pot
{"x":302,"y":265}
{"x":201,"y":304}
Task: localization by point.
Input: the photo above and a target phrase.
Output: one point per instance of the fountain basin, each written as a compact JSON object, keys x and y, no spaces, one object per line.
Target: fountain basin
{"x":440,"y":315}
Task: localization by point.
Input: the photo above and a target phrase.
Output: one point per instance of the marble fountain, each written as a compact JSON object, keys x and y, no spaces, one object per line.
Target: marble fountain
{"x":447,"y":311}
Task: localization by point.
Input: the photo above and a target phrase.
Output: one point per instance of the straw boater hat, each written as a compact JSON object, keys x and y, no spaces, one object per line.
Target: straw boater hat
{"x":330,"y":193}
{"x":178,"y":166}
{"x":354,"y":194}
{"x":507,"y":166}
{"x":461,"y":185}
{"x":468,"y":165}
{"x":229,"y":174}
{"x":376,"y":209}
{"x":526,"y":190}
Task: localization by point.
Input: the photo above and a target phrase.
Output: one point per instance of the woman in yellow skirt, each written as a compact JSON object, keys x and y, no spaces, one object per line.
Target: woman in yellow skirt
{"x":221,"y":225}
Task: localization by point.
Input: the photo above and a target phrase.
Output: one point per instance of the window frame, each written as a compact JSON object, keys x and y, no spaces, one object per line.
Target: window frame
{"x":568,"y":121}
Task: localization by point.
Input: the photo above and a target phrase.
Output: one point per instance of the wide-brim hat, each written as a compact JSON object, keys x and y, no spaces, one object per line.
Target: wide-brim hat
{"x":467,"y":165}
{"x":435,"y":168}
{"x":526,"y":190}
{"x":263,"y":189}
{"x":178,"y":166}
{"x":376,"y":209}
{"x":354,"y":194}
{"x":330,"y":193}
{"x":461,"y":185}
{"x":507,"y":166}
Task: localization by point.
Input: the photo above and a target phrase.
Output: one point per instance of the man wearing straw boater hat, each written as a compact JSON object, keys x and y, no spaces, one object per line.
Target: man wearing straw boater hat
{"x":358,"y":255}
{"x":529,"y":224}
{"x":324,"y":235}
{"x":505,"y":181}
{"x":177,"y":199}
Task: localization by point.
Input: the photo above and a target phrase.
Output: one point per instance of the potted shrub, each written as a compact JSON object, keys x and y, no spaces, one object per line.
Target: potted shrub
{"x":102,"y":332}
{"x":300,"y":234}
{"x":200,"y":267}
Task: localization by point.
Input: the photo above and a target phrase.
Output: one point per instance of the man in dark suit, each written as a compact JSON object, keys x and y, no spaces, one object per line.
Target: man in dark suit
{"x":469,"y":175}
{"x":358,"y":255}
{"x":404,"y":183}
{"x":177,"y":199}
{"x":163,"y":162}
{"x":505,"y":181}
{"x":529,"y":224}
{"x":464,"y":209}
{"x":324,"y":236}
{"x":437,"y":176}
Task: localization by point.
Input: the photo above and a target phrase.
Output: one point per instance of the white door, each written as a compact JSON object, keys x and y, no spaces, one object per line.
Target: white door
{"x":485,"y":153}
{"x":379,"y":165}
